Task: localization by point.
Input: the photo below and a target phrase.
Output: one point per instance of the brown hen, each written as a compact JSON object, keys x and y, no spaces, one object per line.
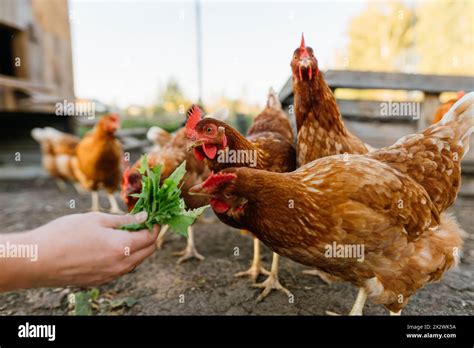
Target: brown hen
{"x":268,"y":145}
{"x":170,"y":156}
{"x":393,"y":236}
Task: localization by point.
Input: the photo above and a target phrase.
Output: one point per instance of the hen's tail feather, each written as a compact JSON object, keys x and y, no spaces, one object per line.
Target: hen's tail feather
{"x":38,"y":134}
{"x":464,"y":107}
{"x":462,"y":113}
{"x":273,"y":101}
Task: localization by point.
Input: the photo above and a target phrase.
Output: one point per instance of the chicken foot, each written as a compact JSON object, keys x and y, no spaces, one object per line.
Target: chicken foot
{"x":325,"y":277}
{"x":161,"y":237}
{"x":256,"y":268}
{"x":95,"y":201}
{"x":114,"y":208}
{"x":272,"y":282}
{"x":358,"y":306}
{"x":190,"y":251}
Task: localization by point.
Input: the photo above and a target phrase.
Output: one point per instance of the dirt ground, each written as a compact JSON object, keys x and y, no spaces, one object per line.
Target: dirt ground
{"x":209,"y":287}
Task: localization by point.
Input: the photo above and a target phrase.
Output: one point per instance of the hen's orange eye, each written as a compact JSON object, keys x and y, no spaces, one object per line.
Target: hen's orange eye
{"x":209,"y":130}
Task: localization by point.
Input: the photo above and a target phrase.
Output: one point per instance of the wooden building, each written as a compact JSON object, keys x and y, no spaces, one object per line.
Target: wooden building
{"x":35,"y":73}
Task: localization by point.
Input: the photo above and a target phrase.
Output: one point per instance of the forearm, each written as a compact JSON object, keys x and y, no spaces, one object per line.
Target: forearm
{"x":19,"y":256}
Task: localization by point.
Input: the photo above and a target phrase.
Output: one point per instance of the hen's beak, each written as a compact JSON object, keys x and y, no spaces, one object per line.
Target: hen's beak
{"x":197,"y":143}
{"x":305,"y":62}
{"x":198,"y":190}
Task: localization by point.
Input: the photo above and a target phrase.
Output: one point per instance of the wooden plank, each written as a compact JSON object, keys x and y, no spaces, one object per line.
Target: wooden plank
{"x":366,"y":111}
{"x":15,"y":14}
{"x":396,"y":81}
{"x":24,"y":84}
{"x":428,"y":109}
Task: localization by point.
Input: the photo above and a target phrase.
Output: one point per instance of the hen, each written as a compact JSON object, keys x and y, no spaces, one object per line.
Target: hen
{"x":170,"y":156}
{"x":57,"y":150}
{"x":98,"y":161}
{"x":268,"y":146}
{"x":321,"y":131}
{"x":371,"y":223}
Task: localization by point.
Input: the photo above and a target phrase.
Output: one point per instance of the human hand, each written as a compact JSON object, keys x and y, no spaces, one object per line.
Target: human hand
{"x":83,"y":249}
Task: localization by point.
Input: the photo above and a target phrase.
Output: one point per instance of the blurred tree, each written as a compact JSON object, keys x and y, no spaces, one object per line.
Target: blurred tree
{"x":380,"y":38}
{"x":434,"y":37}
{"x":445,"y":37}
{"x":171,"y":100}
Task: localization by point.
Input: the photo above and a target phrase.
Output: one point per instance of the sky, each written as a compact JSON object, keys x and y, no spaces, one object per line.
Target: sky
{"x":125,"y":51}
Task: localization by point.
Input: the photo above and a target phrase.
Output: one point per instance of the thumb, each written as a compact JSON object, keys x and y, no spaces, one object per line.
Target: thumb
{"x":117,"y":220}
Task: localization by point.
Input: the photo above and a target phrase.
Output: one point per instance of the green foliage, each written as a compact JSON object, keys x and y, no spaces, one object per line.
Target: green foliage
{"x":433,"y":37}
{"x":82,"y":301}
{"x":147,"y":122}
{"x":381,"y":38}
{"x":164,"y":204}
{"x":88,"y":303}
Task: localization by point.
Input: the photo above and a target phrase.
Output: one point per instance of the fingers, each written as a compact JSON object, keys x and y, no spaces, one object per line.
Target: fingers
{"x":138,"y":257}
{"x":109,"y":220}
{"x":143,"y":239}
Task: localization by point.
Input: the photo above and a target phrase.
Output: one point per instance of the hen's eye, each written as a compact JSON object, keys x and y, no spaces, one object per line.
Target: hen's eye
{"x":227,"y":195}
{"x":209,"y":130}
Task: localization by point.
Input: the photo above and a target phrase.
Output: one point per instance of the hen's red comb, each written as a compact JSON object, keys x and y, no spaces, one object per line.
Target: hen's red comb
{"x":194,"y":116}
{"x":114,"y":116}
{"x":216,"y":179}
{"x":302,"y":46}
{"x":303,"y":50}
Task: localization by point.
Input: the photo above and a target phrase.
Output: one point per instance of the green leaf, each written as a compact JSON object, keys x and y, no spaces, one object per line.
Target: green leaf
{"x":143,"y":164}
{"x":180,"y":224}
{"x":178,"y":174}
{"x":164,"y":203}
{"x":82,"y":301}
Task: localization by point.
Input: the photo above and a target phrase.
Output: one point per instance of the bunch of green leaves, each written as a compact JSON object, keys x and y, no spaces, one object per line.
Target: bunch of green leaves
{"x":163,"y":204}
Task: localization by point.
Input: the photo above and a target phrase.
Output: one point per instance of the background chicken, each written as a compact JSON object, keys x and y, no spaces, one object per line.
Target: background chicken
{"x":158,"y":136}
{"x":170,"y":156}
{"x":444,"y":108}
{"x":357,"y":200}
{"x":57,"y":150}
{"x":269,"y":140}
{"x":98,"y":161}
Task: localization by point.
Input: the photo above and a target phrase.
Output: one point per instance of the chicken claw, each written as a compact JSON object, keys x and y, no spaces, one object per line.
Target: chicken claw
{"x":358,"y":306}
{"x":190,"y":251}
{"x":256,"y":269}
{"x":114,"y":208}
{"x":272,"y":282}
{"x":325,"y":277}
{"x":95,"y":201}
{"x":161,"y":237}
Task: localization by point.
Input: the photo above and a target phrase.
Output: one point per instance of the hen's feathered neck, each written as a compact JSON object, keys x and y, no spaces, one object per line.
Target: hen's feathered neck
{"x":314,"y":101}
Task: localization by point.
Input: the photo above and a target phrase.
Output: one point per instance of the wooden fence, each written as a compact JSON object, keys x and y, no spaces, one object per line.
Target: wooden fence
{"x":364,"y":117}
